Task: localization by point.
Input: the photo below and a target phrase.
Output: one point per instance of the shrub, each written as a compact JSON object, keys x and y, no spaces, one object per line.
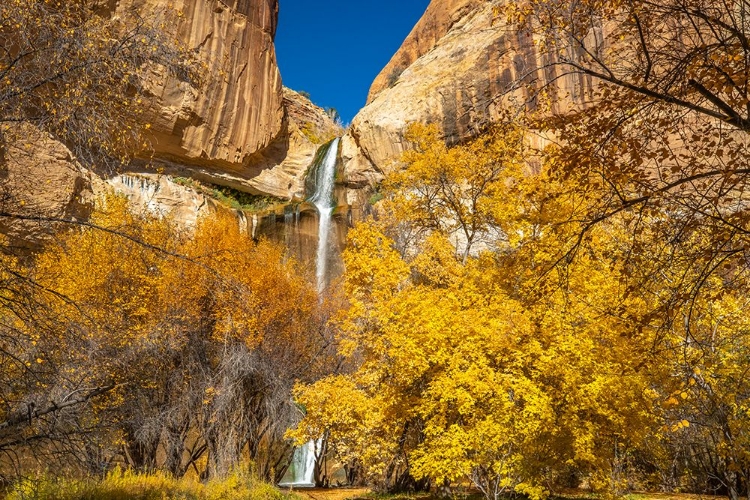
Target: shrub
{"x":394,"y":75}
{"x":231,"y":197}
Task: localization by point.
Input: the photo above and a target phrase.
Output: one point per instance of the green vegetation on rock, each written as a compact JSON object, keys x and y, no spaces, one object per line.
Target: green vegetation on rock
{"x":230,"y":197}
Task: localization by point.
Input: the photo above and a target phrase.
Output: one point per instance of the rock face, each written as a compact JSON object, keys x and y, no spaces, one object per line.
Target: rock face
{"x":437,"y":20}
{"x":160,"y":194}
{"x":239,"y":110}
{"x":280,"y":171}
{"x":240,"y":129}
{"x":277,"y":169}
{"x":452,"y":70}
{"x":39,"y":182}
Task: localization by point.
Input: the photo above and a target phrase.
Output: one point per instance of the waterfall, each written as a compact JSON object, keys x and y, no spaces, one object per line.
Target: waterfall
{"x":324,"y":172}
{"x":321,"y":178}
{"x":302,"y":469}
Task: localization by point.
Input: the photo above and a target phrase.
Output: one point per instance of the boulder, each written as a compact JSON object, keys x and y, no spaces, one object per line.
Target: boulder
{"x":40,"y":185}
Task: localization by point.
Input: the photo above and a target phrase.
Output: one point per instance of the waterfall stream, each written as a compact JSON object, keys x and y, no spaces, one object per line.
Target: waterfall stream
{"x":301,"y":472}
{"x":322,"y":177}
{"x":323,"y":200}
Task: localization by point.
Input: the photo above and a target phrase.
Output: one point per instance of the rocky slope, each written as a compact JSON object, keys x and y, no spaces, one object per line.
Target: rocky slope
{"x":457,"y":64}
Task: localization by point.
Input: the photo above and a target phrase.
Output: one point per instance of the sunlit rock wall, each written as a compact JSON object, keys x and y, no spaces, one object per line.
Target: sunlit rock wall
{"x":39,"y":183}
{"x":458,"y":69}
{"x":239,"y":109}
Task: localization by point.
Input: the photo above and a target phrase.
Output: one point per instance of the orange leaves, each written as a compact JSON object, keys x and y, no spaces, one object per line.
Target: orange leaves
{"x":132,"y":280}
{"x":206,"y":328}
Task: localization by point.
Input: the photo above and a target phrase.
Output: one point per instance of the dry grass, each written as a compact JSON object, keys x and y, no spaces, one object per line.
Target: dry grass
{"x":367,"y":494}
{"x":126,"y":485}
{"x":672,"y":496}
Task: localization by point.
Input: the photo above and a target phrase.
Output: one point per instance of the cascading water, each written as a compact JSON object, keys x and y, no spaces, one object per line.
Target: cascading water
{"x":301,"y":471}
{"x":324,"y":203}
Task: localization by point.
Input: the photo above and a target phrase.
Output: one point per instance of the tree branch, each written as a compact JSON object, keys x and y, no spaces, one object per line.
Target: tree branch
{"x":26,"y":418}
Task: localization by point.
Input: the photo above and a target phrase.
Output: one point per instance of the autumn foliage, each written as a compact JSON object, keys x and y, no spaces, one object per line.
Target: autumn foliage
{"x":559,"y":353}
{"x":129,"y":341}
{"x":518,"y":319}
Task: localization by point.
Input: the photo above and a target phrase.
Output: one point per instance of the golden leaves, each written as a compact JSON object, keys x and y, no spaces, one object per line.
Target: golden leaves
{"x":130,"y":285}
{"x":527,"y":356}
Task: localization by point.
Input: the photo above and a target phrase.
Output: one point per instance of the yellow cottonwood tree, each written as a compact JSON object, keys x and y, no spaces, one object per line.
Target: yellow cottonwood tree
{"x":664,"y":143}
{"x":502,"y":369}
{"x":455,"y":190}
{"x":600,"y":334}
{"x":157,"y":348}
{"x":457,"y":380}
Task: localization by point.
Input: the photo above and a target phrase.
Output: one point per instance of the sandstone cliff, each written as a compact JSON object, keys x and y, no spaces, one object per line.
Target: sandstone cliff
{"x":40,"y":182}
{"x":437,"y":20}
{"x":279,"y":168}
{"x":241,"y":129}
{"x":454,"y":69}
{"x":239,"y":109}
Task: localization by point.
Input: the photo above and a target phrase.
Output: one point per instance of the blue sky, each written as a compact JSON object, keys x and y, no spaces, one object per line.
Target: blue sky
{"x":334,"y":49}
